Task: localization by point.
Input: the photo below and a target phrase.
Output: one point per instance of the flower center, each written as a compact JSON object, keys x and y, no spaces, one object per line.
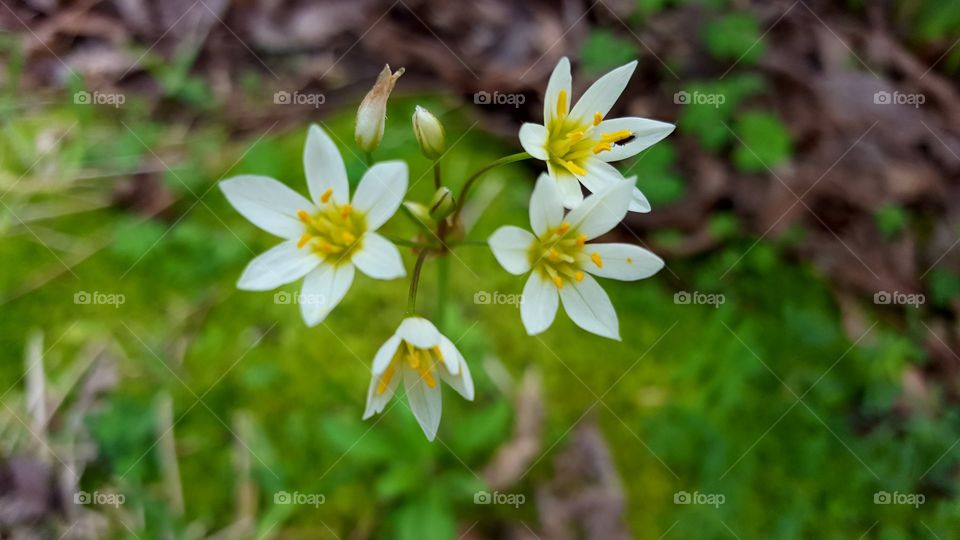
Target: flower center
{"x":570,"y":141}
{"x":555,"y":255}
{"x":334,"y":231}
{"x":420,"y":360}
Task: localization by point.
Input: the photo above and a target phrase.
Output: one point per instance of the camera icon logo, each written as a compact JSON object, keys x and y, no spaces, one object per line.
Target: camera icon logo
{"x":81,"y":497}
{"x":81,"y":298}
{"x":681,"y":297}
{"x":482,"y":497}
{"x":81,"y":97}
{"x":681,"y":497}
{"x":482,"y":98}
{"x":882,"y":97}
{"x":281,"y":97}
{"x":481,"y":298}
{"x":881,"y":497}
{"x":681,"y":98}
{"x":882,"y":298}
{"x":281,"y":497}
{"x":282,"y":297}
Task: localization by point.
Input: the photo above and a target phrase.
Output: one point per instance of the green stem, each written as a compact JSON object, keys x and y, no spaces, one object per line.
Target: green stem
{"x":368,"y":157}
{"x":512,"y":158}
{"x":406,"y":243}
{"x":443,"y":278}
{"x":436,"y":175}
{"x":414,"y":283}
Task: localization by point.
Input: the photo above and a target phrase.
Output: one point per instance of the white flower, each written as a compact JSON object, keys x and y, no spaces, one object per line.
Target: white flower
{"x":579,"y":143}
{"x":561,"y":260}
{"x":326,"y":237}
{"x":421,"y":355}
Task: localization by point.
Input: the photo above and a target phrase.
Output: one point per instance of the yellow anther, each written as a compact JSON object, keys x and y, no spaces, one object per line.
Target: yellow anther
{"x":578,"y":276}
{"x":326,"y":195}
{"x":562,"y":103}
{"x":414,"y":359}
{"x":303,"y":240}
{"x":438,"y":353}
{"x":553,"y":255}
{"x":595,"y":257}
{"x":385,"y":378}
{"x":326,"y":248}
{"x":616,"y":136}
{"x":427,"y":377}
{"x":348,"y":237}
{"x":303,"y":216}
{"x":574,"y":168}
{"x":581,"y":240}
{"x":575,"y":136}
{"x":597,"y":118}
{"x":602,"y":147}
{"x":558,"y":281}
{"x":563,"y":228}
{"x":345,"y":210}
{"x":629,"y":260}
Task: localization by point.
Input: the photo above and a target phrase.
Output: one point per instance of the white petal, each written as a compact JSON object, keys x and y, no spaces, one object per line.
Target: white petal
{"x":567,"y":184}
{"x":625,"y":262}
{"x":602,"y":211}
{"x":546,"y":208}
{"x":376,"y":402}
{"x":267,"y":203}
{"x":425,"y":402}
{"x":323,"y":165}
{"x":601,"y":95}
{"x":645,"y":132}
{"x":380,"y":192}
{"x":323,"y":289}
{"x":538,"y":306}
{"x":419,"y":332}
{"x":461,"y":381}
{"x":533,"y":138}
{"x":385,"y":354}
{"x":560,"y":79}
{"x":277,"y":266}
{"x":378,"y":257}
{"x":589,"y":307}
{"x":638,"y":201}
{"x":600,"y":175}
{"x":511,"y":247}
{"x":451,"y":355}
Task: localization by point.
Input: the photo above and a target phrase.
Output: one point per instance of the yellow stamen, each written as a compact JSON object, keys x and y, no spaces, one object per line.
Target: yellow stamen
{"x":558,"y":281}
{"x":348,"y":237}
{"x":563,"y":228}
{"x":581,"y":240}
{"x":304,"y":216}
{"x":427,"y":377}
{"x":303,"y":240}
{"x":562,"y":103}
{"x":578,"y":276}
{"x":575,"y":136}
{"x":629,"y":260}
{"x":554,"y":256}
{"x":595,"y":257}
{"x":602,"y":147}
{"x":385,"y":378}
{"x":345,"y":210}
{"x":616,"y":136}
{"x":414,"y":359}
{"x":326,"y":195}
{"x":597,"y":118}
{"x":574,"y":168}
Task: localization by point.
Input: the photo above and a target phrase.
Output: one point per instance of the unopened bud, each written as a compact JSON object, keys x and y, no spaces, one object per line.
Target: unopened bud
{"x":441,"y":205}
{"x":429,"y":133}
{"x":373,"y":110}
{"x":419,"y":211}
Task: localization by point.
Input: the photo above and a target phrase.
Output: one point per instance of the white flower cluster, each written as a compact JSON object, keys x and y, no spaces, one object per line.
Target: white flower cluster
{"x":327,"y":237}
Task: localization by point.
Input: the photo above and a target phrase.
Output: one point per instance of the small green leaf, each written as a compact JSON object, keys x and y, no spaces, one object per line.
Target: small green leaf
{"x":734,"y":37}
{"x":604,"y":50}
{"x":764,"y":142}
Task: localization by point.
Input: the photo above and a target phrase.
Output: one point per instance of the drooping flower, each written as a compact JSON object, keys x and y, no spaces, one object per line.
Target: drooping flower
{"x":562,"y":261}
{"x":324,"y":237}
{"x":422,"y":356}
{"x":578,"y":144}
{"x":373,"y":110}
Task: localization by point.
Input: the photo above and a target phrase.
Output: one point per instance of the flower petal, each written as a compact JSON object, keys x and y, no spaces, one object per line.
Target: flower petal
{"x":625,"y":262}
{"x":425,"y":402}
{"x":538,"y":306}
{"x":600,"y":175}
{"x":419,"y":332}
{"x":602,"y":211}
{"x":376,"y":402}
{"x":459,"y":379}
{"x":638,"y":201}
{"x":385,"y":354}
{"x":380,"y":192}
{"x":589,"y":307}
{"x":451,"y":355}
{"x":546,"y":208}
{"x":323,"y":165}
{"x":645,"y":134}
{"x":568,"y":185}
{"x":511,"y":246}
{"x":560,"y":80}
{"x":277,"y":266}
{"x":267,"y":203}
{"x":323,"y":289}
{"x":601,"y":95}
{"x":378,"y":257}
{"x":533,"y":139}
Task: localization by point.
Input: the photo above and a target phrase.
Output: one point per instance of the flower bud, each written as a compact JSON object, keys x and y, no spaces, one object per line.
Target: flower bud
{"x":429,"y":133}
{"x":441,"y":205}
{"x":373,"y":110}
{"x":420,"y":212}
